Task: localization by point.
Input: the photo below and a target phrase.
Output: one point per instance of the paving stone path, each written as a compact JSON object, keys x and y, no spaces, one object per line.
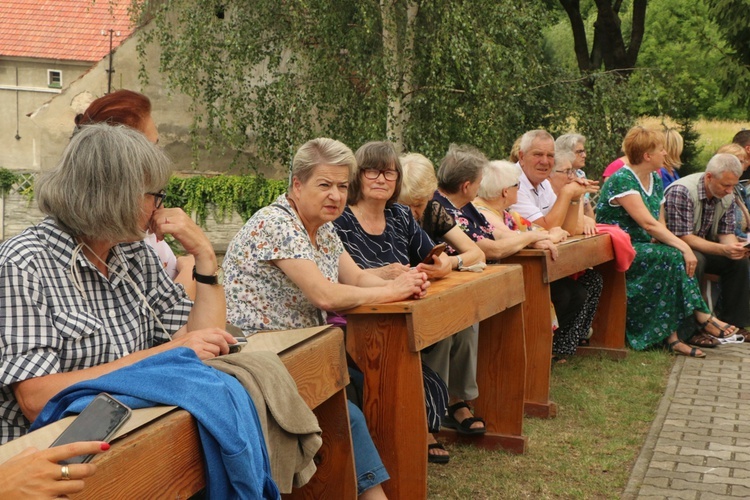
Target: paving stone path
{"x":698,"y":447}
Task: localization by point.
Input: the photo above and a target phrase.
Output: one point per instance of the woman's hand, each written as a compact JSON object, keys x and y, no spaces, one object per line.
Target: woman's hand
{"x":558,"y":234}
{"x":547,"y":245}
{"x":207,"y":343}
{"x":690,"y":262}
{"x":410,"y":285}
{"x":589,"y":226}
{"x":389,"y":272}
{"x":36,"y":474}
{"x":439,"y":269}
{"x":176,"y":222}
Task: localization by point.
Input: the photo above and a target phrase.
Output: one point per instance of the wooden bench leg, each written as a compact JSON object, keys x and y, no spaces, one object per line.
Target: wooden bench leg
{"x":501,"y":378}
{"x":394,"y":405}
{"x":609,"y":322}
{"x":335,"y":477}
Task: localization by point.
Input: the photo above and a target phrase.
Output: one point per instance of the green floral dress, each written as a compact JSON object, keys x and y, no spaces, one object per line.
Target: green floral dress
{"x":660,"y":293}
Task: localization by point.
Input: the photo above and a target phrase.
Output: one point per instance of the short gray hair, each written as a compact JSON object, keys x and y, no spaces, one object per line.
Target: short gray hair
{"x":498,"y":175}
{"x":568,"y":142}
{"x":321,"y":151}
{"x":531,"y":136}
{"x":724,"y":162}
{"x":563,"y":156}
{"x":97,"y":188}
{"x":461,"y":163}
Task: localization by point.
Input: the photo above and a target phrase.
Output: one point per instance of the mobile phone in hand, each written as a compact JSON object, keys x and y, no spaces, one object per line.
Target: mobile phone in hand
{"x":97,"y":422}
{"x":436,"y":251}
{"x":241,"y":342}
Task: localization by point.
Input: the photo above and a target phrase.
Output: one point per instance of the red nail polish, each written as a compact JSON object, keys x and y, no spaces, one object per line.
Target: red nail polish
{"x":105,"y":446}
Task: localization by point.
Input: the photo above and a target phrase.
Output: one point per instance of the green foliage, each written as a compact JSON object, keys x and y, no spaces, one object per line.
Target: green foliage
{"x":7,"y":180}
{"x":223,"y":194}
{"x":271,"y":75}
{"x":691,"y":149}
{"x":734,"y":70}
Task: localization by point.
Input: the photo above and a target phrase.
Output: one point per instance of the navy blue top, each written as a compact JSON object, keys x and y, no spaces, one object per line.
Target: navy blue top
{"x":403,"y":241}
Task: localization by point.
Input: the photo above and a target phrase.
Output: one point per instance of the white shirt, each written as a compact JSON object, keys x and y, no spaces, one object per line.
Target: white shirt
{"x":534,"y":202}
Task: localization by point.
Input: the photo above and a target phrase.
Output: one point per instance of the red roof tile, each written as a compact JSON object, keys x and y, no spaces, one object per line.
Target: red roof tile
{"x":69,"y":30}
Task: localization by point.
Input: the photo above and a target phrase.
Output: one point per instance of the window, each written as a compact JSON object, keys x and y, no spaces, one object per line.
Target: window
{"x":54,"y":78}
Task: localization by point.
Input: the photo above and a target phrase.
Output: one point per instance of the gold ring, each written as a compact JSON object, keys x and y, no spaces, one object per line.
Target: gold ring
{"x":65,"y":472}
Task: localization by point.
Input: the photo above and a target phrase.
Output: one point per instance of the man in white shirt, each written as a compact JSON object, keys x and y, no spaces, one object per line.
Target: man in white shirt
{"x":537,"y":202}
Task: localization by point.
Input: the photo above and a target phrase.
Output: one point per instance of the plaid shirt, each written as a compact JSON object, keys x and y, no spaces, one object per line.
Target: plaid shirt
{"x":48,"y":326}
{"x":680,"y":212}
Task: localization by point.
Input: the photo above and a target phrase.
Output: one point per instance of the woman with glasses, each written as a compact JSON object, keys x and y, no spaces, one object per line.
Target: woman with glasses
{"x":287,"y":268}
{"x":125,"y":107}
{"x":575,"y":144}
{"x":81,"y":295}
{"x":383,"y":238}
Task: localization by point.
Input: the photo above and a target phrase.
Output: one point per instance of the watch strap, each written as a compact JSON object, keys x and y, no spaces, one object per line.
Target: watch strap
{"x":211,"y":279}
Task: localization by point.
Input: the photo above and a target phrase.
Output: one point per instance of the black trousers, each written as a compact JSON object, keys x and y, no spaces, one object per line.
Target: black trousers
{"x":734,"y":281}
{"x":568,"y":297}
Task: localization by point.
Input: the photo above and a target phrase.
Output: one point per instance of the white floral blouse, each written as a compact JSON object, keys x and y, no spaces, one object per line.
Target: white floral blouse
{"x":259,"y":295}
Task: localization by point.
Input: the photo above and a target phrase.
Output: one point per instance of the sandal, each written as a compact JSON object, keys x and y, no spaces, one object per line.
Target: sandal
{"x":693,"y":350}
{"x":701,"y":339}
{"x":437,"y":459}
{"x":725,"y":331}
{"x":464,"y":426}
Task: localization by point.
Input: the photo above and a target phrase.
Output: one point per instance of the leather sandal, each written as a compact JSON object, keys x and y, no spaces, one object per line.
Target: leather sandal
{"x":701,"y":339}
{"x":464,"y":426}
{"x":724,"y":331}
{"x":693,"y":350}
{"x":437,"y":459}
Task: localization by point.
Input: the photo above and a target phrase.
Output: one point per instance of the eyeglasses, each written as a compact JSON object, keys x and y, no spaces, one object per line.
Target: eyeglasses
{"x":517,"y":184}
{"x":159,"y":198}
{"x":569,"y":172}
{"x":374,"y":173}
{"x":580,"y":152}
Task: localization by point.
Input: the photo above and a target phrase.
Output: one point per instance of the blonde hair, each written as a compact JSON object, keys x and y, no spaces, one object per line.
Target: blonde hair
{"x":639,"y":141}
{"x":419,"y":181}
{"x":498,"y":175}
{"x":734,"y":149}
{"x":673,"y":143}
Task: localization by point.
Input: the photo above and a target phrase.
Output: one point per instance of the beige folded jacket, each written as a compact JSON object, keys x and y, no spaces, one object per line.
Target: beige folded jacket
{"x":291,"y":429}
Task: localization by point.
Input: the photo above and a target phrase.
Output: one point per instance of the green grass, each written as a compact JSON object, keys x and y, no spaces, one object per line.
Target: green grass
{"x":715,"y":134}
{"x":605,"y":411}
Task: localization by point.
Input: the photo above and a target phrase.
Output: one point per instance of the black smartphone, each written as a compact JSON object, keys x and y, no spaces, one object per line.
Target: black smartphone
{"x":241,"y":342}
{"x":97,"y":422}
{"x":436,"y":250}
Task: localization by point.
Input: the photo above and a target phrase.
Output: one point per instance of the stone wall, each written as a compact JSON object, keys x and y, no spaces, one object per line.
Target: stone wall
{"x":17,"y":213}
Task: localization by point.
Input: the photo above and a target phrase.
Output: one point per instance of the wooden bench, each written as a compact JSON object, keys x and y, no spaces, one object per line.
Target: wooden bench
{"x":539,"y":270}
{"x":385,"y":339}
{"x":163,"y":459}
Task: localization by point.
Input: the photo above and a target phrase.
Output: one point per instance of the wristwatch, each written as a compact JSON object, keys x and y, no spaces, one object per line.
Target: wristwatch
{"x":460,"y":263}
{"x":216,"y":278}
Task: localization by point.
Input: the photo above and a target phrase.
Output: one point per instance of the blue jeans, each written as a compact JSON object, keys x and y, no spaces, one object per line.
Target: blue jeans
{"x":369,"y":467}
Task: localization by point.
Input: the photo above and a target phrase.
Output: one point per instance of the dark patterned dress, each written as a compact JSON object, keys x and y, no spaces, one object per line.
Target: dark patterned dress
{"x":660,"y":293}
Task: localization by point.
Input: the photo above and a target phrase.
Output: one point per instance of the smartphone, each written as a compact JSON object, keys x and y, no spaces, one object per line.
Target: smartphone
{"x":97,"y":422}
{"x":436,"y":250}
{"x":241,"y":342}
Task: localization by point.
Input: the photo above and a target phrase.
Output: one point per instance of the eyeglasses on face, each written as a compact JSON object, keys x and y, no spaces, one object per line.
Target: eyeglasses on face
{"x":568,"y":171}
{"x":374,"y":173}
{"x":159,"y":198}
{"x":580,"y":152}
{"x":517,"y":184}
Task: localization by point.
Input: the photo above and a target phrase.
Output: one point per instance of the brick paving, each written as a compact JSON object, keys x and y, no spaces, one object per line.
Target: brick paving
{"x":698,"y":447}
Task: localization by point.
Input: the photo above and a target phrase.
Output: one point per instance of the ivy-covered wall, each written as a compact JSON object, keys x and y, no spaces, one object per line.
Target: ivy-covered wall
{"x":220,"y":204}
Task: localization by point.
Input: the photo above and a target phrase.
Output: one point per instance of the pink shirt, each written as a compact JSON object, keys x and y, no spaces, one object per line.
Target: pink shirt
{"x":613,"y":167}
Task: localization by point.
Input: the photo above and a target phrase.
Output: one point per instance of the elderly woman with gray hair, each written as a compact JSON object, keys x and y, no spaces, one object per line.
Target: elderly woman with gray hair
{"x":575,"y":300}
{"x":82,"y":295}
{"x":287,"y":267}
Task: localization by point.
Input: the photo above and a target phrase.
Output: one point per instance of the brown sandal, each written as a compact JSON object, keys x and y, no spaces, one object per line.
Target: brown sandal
{"x":692,"y":354}
{"x":701,"y":339}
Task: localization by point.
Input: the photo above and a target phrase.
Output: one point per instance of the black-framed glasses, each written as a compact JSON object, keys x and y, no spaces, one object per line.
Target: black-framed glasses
{"x":517,"y":184}
{"x":159,"y":198}
{"x":579,"y":152}
{"x":374,"y":173}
